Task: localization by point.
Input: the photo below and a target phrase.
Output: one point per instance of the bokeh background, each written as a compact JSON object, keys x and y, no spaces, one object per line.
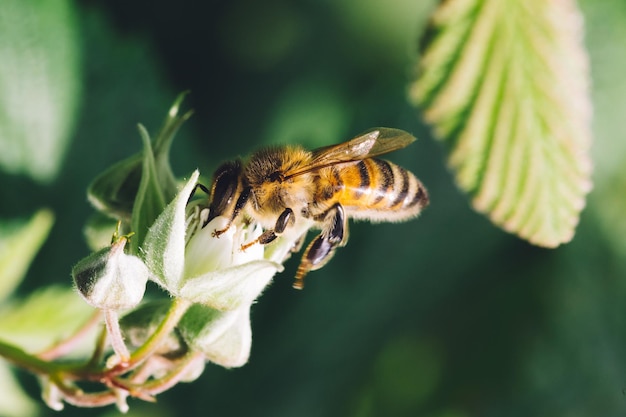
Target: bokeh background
{"x":445,"y":316}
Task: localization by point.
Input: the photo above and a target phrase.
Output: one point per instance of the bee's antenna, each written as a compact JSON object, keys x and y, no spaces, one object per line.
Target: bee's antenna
{"x":193,"y":192}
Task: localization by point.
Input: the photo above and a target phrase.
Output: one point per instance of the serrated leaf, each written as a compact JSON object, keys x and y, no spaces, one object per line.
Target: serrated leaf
{"x":505,"y":86}
{"x":44,"y":318}
{"x":39,"y":85}
{"x":18,"y":247}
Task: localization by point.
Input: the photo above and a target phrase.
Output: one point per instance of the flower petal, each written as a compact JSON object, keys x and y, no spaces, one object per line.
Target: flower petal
{"x":206,"y":253}
{"x":230,"y":288}
{"x":164,"y":245}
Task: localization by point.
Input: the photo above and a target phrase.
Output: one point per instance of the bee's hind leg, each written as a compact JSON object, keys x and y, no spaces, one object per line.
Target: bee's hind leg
{"x":285,"y":219}
{"x":322,"y":248}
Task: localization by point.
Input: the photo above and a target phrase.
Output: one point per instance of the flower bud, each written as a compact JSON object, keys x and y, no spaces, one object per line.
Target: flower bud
{"x":224,"y":338}
{"x":110,"y":279}
{"x":51,"y":394}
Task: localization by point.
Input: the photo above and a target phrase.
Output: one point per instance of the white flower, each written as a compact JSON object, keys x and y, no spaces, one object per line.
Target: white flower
{"x":213,"y":273}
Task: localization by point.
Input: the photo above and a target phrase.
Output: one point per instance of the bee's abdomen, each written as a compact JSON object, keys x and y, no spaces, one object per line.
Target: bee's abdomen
{"x":380,"y":190}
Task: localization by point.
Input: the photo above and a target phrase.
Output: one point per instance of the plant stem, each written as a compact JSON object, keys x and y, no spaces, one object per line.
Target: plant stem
{"x":168,"y":381}
{"x":177,"y":309}
{"x":115,"y":336}
{"x":27,"y":361}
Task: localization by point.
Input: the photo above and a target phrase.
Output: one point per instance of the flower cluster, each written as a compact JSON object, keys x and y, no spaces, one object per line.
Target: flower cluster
{"x":210,"y":282}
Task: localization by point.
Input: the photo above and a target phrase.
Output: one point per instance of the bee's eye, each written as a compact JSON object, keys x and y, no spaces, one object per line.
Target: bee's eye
{"x":276,"y":176}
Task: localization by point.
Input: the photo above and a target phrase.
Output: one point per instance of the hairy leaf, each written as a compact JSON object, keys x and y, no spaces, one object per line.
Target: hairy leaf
{"x":505,"y":86}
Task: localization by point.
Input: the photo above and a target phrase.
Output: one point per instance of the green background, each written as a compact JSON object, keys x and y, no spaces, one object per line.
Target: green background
{"x":445,"y":316}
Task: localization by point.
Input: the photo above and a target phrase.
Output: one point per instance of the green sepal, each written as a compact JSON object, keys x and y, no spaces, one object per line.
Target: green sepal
{"x":114,"y":192}
{"x":150,"y":199}
{"x":141,"y":323}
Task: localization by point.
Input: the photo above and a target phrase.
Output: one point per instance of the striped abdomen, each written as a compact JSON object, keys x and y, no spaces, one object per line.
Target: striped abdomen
{"x":375,"y":189}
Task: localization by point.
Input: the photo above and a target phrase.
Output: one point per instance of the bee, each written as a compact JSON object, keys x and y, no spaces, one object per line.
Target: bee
{"x":289,"y":190}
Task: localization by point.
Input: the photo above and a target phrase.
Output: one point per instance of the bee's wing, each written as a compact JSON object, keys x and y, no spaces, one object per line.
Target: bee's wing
{"x":368,"y":145}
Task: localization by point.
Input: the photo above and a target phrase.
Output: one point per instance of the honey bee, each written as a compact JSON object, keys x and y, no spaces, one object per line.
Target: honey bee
{"x":289,"y":190}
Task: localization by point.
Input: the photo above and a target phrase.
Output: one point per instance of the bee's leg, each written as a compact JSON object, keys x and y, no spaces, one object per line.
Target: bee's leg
{"x":239,"y":205}
{"x":285,"y":219}
{"x":322,"y":248}
{"x":227,"y":185}
{"x":337,"y":229}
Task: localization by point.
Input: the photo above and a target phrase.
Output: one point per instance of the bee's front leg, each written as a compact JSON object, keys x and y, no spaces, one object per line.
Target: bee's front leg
{"x":285,"y":219}
{"x":239,"y":205}
{"x":322,"y":248}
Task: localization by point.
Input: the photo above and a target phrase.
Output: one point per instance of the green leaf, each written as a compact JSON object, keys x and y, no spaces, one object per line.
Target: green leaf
{"x":45,"y":317}
{"x":505,"y":86}
{"x":18,"y":246}
{"x":141,"y":323}
{"x":39,"y":85}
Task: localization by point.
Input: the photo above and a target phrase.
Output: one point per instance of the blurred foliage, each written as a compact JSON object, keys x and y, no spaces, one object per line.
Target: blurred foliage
{"x":15,"y":402}
{"x":443,"y":316}
{"x":43,"y":318}
{"x":19,"y":243}
{"x":39,"y":85}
